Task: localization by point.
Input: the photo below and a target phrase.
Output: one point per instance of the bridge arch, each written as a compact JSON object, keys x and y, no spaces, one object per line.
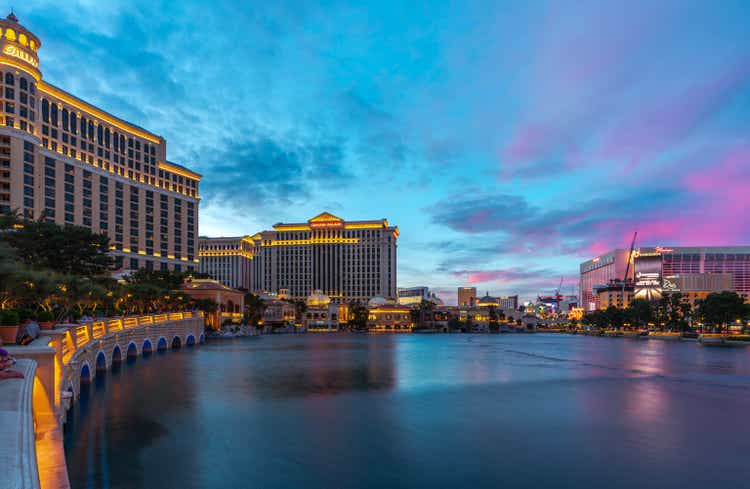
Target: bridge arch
{"x":101,"y":361}
{"x":176,"y":343}
{"x":161,"y":345}
{"x":132,"y":350}
{"x":190,"y":340}
{"x":116,"y":354}
{"x":146,"y":348}
{"x":85,"y":374}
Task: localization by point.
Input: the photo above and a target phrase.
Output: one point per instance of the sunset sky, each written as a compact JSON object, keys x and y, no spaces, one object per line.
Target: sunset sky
{"x":509,"y":141}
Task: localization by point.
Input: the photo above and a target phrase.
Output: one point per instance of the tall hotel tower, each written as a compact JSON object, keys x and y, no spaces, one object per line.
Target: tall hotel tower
{"x":347,"y":260}
{"x":69,"y":162}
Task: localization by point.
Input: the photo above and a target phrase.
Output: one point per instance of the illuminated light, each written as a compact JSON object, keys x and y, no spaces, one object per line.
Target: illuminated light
{"x":179,"y":171}
{"x":298,"y":242}
{"x":10,"y":34}
{"x":325,"y":217}
{"x":366,"y":225}
{"x":141,"y":252}
{"x":289,"y":227}
{"x":34,"y":73}
{"x":326,"y":225}
{"x":19,"y":53}
{"x":79,"y":104}
{"x":126,"y":250}
{"x":596,"y":260}
{"x":32,"y":44}
{"x":170,"y":256}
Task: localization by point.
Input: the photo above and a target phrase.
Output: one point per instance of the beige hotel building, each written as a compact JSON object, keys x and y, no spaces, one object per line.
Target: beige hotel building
{"x":346,"y":260}
{"x":228,"y":260}
{"x":69,"y":162}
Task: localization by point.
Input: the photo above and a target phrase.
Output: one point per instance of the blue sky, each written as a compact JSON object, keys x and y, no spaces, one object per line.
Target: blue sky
{"x":509,"y":141}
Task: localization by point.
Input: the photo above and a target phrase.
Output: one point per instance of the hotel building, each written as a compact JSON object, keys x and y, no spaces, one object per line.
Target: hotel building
{"x":69,"y":162}
{"x":467,"y":296}
{"x":228,"y":260}
{"x":658,"y":270}
{"x":345,"y":260}
{"x":600,"y":271}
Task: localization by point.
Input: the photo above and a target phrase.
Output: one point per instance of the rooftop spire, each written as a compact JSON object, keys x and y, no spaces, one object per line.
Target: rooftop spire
{"x":12,"y":17}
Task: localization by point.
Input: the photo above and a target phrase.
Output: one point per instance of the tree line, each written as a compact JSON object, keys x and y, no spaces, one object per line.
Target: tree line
{"x":674,"y":312}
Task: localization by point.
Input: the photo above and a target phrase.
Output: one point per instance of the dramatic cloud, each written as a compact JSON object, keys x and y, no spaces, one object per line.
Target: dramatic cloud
{"x":507,"y":140}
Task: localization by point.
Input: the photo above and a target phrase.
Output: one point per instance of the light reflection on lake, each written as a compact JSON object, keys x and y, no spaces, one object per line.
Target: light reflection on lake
{"x":418,"y":411}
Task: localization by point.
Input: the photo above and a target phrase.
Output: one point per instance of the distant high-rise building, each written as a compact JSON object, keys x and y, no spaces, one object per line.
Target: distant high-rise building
{"x":345,"y":260}
{"x":228,"y":260}
{"x":508,"y":302}
{"x":467,"y":296}
{"x":66,"y":161}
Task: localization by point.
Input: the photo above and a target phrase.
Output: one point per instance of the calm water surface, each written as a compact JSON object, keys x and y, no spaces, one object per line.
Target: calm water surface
{"x":422,"y":411}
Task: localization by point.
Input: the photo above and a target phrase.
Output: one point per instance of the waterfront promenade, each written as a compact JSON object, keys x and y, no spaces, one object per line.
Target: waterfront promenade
{"x":55,"y":366}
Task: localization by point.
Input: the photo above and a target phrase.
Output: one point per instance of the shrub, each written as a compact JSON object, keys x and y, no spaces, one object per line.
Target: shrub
{"x":45,"y":316}
{"x":9,"y":318}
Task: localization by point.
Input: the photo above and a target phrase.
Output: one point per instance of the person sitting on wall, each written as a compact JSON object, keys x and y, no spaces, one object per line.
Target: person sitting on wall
{"x":28,"y":332}
{"x":7,"y":361}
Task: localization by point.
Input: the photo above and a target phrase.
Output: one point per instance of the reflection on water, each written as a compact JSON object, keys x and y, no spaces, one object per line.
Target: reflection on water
{"x":340,"y":411}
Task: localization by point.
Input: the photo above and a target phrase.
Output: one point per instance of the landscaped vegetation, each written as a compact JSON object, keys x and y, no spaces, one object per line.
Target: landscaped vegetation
{"x":51,"y":273}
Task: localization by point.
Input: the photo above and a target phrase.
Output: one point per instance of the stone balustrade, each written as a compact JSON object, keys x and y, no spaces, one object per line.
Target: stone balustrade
{"x":17,"y":451}
{"x":70,"y":355}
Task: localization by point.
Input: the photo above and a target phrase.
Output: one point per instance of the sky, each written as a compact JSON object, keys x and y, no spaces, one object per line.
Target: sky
{"x":509,"y":141}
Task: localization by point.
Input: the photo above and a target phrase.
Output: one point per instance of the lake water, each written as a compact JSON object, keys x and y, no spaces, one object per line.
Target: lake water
{"x":418,"y":411}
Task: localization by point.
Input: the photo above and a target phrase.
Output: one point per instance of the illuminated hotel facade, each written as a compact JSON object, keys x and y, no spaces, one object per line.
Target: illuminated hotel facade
{"x":694,"y":271}
{"x":346,"y":260}
{"x":68,"y":162}
{"x":228,"y":260}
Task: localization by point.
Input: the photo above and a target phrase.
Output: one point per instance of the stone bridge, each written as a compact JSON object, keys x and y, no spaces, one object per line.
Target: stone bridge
{"x":71,"y":355}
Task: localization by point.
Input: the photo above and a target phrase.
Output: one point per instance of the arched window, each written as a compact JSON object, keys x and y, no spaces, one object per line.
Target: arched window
{"x":65,"y":119}
{"x":122,"y":144}
{"x":116,"y":142}
{"x":53,"y":114}
{"x":99,"y":134}
{"x":10,"y":79}
{"x":83,"y":127}
{"x":45,"y":110}
{"x":24,"y":83}
{"x":91,"y":130}
{"x":23,"y":39}
{"x":10,"y":34}
{"x":73,"y":123}
{"x":106,"y":138}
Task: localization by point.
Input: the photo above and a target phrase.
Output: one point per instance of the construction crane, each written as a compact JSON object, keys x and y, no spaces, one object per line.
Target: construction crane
{"x":630,"y":258}
{"x":627,"y":267}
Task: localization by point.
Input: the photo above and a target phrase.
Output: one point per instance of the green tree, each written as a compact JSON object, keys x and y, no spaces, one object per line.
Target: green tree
{"x":73,"y":250}
{"x":493,"y":324}
{"x":721,"y":308}
{"x":358,"y":315}
{"x":640,"y":312}
{"x":254,"y":308}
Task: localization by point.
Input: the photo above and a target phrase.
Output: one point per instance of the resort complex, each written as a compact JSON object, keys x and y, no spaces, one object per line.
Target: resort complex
{"x":140,"y":351}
